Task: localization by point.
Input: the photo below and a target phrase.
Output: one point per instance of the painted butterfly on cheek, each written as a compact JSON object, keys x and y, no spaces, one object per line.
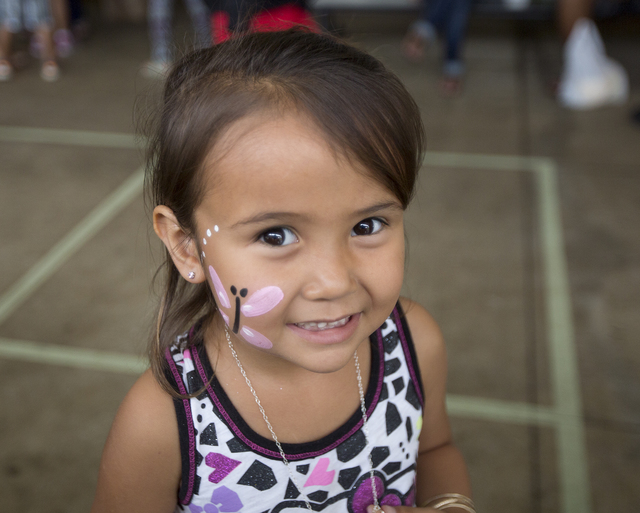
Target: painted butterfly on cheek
{"x":259,"y":303}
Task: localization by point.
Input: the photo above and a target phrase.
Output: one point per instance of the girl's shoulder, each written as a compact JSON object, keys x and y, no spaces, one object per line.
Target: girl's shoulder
{"x":142,"y":453}
{"x":427,"y":340}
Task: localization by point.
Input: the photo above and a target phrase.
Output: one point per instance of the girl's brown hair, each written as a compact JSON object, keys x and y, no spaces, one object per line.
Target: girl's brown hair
{"x":364,"y":111}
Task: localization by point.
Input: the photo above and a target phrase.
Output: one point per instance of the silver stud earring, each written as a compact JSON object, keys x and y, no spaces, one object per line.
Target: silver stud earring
{"x":192,"y":275}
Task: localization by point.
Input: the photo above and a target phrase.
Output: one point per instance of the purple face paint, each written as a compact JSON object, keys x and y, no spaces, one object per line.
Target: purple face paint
{"x":255,"y":338}
{"x":217,"y":285}
{"x":262,"y":301}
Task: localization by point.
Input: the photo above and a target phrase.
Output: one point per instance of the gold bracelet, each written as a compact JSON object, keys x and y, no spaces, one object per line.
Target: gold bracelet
{"x":450,"y":500}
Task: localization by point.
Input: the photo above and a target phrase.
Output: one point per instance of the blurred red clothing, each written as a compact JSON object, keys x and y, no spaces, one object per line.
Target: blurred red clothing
{"x":281,"y":17}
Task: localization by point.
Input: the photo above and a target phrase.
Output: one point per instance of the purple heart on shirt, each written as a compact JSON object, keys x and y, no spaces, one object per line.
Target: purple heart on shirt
{"x":222,"y":466}
{"x":227,"y":500}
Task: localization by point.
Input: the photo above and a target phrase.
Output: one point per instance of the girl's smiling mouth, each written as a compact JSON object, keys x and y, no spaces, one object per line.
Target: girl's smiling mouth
{"x":327,"y":332}
{"x":323,"y":325}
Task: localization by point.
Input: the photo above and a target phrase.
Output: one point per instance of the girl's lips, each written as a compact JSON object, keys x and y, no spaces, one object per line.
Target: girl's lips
{"x":325,"y":332}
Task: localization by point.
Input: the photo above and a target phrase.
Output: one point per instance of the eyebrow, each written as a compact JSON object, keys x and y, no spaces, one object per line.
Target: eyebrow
{"x":388,"y":205}
{"x":267,"y":216}
{"x":280,"y":216}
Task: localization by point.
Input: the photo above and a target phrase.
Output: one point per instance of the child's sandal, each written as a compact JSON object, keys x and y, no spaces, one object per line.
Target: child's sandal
{"x":50,"y":71}
{"x":6,"y":70}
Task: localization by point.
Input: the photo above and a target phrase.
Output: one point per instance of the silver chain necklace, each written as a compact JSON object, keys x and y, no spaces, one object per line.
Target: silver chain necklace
{"x":365,"y":427}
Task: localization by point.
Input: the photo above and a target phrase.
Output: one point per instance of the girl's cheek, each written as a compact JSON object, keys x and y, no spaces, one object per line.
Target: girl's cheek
{"x":244,"y":306}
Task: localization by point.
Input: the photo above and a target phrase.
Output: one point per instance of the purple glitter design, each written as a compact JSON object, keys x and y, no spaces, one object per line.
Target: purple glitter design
{"x":411,"y":498}
{"x":391,"y":500}
{"x":364,"y":495}
{"x":222,"y":466}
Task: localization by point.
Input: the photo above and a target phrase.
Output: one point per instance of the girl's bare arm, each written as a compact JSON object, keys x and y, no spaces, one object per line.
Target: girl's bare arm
{"x":140,"y":469}
{"x":441,"y":468}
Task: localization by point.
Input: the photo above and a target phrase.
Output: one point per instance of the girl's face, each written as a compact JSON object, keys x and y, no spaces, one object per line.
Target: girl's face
{"x":304,"y":253}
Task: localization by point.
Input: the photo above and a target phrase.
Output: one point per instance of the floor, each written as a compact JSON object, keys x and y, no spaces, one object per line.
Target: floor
{"x":524,"y":243}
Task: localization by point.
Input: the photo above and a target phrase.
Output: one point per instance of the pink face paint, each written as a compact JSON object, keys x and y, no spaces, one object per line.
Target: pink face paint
{"x":217,"y":285}
{"x":255,"y":338}
{"x":225,"y":317}
{"x":262,"y":301}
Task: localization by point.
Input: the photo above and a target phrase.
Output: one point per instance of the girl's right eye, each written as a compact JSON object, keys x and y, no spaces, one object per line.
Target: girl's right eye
{"x":279,"y":236}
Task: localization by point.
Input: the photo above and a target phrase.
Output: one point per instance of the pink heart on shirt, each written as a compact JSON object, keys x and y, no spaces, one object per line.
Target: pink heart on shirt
{"x":319,"y":476}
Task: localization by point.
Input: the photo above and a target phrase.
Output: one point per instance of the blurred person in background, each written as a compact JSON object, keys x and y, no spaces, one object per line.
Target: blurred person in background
{"x":449,"y":19}
{"x":237,"y":16}
{"x":589,"y":77}
{"x":62,"y":37}
{"x":35,"y":16}
{"x":160,"y":18}
{"x":67,"y":15}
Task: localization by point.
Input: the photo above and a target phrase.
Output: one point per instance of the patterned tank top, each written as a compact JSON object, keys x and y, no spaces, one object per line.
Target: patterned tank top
{"x":228,"y":467}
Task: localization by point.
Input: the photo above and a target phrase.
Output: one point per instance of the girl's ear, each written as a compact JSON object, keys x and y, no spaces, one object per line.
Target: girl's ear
{"x":182,"y":248}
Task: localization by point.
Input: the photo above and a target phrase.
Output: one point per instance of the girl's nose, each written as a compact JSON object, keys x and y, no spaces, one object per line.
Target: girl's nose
{"x":330,"y":275}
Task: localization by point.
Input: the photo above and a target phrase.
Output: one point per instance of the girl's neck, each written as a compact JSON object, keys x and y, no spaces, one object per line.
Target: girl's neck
{"x":302,"y":405}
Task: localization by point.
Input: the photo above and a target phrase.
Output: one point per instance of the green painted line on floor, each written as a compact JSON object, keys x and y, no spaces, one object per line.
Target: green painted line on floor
{"x":51,"y":354}
{"x":570,"y":435}
{"x":571,"y":441}
{"x":68,"y":137}
{"x":501,"y":411}
{"x":47,"y":265}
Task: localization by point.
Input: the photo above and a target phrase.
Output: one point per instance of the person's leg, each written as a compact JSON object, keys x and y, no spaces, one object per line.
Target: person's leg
{"x":456,"y":28}
{"x":38,"y":19}
{"x":5,"y":43}
{"x":10,"y":23}
{"x":6,"y":70}
{"x":201,"y":21}
{"x":420,"y":33}
{"x":159,"y":17}
{"x":438,"y":13}
{"x":62,"y":37}
{"x":50,"y":71}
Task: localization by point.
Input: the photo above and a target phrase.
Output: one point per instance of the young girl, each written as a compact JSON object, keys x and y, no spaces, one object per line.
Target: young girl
{"x":286,"y":371}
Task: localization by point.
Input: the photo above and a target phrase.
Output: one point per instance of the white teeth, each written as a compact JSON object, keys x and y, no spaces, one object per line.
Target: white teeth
{"x":319,"y":326}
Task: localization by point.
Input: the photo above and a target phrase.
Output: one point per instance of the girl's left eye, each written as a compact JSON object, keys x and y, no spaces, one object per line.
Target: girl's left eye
{"x":279,"y":236}
{"x":367,"y":227}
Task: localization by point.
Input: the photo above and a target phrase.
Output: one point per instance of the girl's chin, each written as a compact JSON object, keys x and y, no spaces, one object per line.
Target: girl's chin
{"x":328,"y":336}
